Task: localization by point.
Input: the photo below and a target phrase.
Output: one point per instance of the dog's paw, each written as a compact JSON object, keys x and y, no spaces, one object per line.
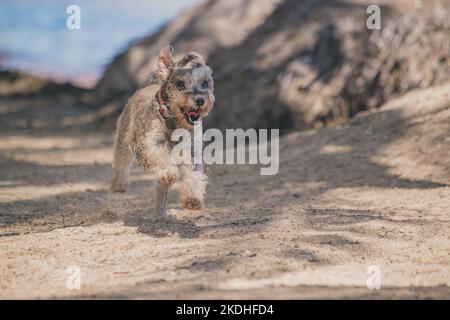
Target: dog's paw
{"x":167,"y":175}
{"x":119,"y":187}
{"x":191,"y":203}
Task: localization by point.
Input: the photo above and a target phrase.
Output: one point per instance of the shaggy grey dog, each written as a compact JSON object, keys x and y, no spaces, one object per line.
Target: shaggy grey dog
{"x":182,"y":95}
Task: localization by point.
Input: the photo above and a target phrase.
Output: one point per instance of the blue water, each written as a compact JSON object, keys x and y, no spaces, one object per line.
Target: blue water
{"x":34,"y":37}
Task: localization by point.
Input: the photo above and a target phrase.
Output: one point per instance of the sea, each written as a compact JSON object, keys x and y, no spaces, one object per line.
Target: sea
{"x":35,"y":37}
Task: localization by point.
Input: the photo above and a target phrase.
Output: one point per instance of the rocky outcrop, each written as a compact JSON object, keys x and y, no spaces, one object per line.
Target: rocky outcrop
{"x":13,"y":83}
{"x":295,"y":64}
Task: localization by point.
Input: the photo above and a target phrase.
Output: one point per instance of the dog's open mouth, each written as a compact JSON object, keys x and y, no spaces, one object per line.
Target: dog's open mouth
{"x":192,"y":115}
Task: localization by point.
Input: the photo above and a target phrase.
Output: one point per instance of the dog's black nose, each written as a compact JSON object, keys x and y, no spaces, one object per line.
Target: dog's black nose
{"x":200,"y":101}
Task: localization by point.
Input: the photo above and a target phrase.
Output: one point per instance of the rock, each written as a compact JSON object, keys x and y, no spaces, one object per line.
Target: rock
{"x":297,"y":64}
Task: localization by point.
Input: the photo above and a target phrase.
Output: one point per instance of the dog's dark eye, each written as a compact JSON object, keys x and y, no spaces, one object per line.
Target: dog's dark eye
{"x":205,"y":84}
{"x":180,"y":85}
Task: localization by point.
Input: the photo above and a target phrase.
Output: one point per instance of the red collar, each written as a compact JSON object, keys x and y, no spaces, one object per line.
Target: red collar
{"x":163,"y":106}
{"x":160,"y":98}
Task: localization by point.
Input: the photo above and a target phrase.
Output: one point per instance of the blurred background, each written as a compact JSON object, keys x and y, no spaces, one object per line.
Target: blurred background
{"x":290,"y":64}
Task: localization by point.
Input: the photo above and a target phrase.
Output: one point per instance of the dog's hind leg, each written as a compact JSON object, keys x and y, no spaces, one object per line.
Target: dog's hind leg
{"x":123,"y":158}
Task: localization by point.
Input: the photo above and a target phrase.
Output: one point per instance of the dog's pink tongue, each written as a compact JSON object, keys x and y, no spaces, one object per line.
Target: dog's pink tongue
{"x":193,"y":113}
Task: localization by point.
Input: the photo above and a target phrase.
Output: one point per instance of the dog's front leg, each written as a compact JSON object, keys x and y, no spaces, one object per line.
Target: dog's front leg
{"x":166,"y":174}
{"x":192,"y":186}
{"x":154,"y":155}
{"x":162,"y":191}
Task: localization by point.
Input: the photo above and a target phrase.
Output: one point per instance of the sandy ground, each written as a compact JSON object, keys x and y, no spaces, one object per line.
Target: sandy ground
{"x":374,"y":191}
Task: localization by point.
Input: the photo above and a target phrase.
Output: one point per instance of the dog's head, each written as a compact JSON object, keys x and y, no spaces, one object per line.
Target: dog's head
{"x":187,"y":86}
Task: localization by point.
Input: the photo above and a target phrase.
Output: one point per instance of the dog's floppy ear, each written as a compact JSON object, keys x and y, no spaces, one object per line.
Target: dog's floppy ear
{"x":165,"y":62}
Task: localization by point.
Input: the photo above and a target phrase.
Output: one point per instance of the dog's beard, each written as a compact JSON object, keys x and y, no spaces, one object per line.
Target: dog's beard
{"x":193,"y":114}
{"x":184,"y":114}
{"x":185,"y":111}
{"x":190,"y":116}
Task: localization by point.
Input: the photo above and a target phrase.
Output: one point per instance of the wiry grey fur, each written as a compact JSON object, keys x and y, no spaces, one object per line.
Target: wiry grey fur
{"x":142,"y":133}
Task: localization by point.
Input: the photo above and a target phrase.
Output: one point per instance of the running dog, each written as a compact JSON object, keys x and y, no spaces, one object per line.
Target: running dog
{"x":183,"y":94}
